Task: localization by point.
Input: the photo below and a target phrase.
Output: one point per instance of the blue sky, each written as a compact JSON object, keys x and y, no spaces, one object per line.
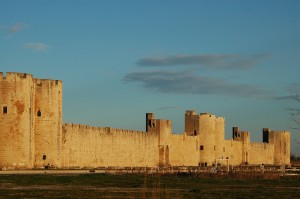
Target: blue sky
{"x":121,"y":59}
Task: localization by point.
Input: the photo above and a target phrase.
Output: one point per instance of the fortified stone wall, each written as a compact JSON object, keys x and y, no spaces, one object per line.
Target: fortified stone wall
{"x":183,"y":150}
{"x":261,"y":153}
{"x":232,"y":150}
{"x":32,"y":135}
{"x":86,"y":146}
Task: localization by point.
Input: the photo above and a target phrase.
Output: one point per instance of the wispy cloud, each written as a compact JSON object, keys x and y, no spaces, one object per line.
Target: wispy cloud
{"x":17,"y":27}
{"x":208,"y":61}
{"x":184,"y":82}
{"x":185,"y":79}
{"x":36,"y":46}
{"x":167,"y":107}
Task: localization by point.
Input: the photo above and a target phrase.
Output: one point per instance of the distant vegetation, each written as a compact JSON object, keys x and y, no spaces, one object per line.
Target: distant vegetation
{"x":295,"y":160}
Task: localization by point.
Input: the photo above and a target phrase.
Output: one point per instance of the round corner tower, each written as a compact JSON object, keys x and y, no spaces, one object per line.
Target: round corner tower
{"x":207,"y":138}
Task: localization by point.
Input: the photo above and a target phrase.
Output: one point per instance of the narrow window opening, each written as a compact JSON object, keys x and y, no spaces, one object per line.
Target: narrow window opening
{"x":284,"y":148}
{"x":195,"y":132}
{"x":39,"y":113}
{"x":201,"y":147}
{"x":4,"y":109}
{"x":44,"y":157}
{"x":214,"y":148}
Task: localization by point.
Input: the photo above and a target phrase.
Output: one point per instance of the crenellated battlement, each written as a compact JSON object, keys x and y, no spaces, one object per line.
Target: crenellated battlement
{"x":190,"y":112}
{"x":14,"y":76}
{"x":17,"y":75}
{"x":232,"y":141}
{"x":207,"y":115}
{"x":218,"y":118}
{"x":100,"y":129}
{"x":238,"y":135}
{"x":48,"y":83}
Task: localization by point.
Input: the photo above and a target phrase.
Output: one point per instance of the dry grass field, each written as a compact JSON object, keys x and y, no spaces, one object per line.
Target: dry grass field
{"x":97,"y":185}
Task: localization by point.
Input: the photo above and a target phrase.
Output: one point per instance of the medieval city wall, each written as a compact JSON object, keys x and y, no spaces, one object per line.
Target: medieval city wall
{"x":261,"y":153}
{"x":254,"y":153}
{"x":32,"y":135}
{"x":86,"y":146}
{"x":232,"y":150}
{"x":183,"y":150}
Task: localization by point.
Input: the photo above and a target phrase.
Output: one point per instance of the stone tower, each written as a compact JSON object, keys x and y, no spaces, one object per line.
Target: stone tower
{"x":210,"y":132}
{"x":16,"y":120}
{"x":207,"y":138}
{"x":48,"y":122}
{"x":281,"y":141}
{"x":30,"y":121}
{"x":163,"y":129}
{"x":219,"y":136}
{"x":244,"y":137}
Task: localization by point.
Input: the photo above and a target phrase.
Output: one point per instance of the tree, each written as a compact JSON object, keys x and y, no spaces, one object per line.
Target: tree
{"x":295,"y":112}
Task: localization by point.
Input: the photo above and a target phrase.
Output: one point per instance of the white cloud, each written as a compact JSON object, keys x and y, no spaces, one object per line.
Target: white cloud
{"x":36,"y":46}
